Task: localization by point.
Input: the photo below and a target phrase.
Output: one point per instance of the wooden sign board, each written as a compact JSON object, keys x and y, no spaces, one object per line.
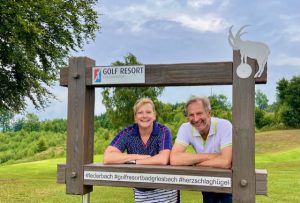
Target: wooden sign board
{"x":168,"y":177}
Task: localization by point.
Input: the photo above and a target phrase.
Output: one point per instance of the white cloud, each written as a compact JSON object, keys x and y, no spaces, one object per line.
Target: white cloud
{"x":202,"y":24}
{"x":199,"y":3}
{"x":283,"y":60}
{"x":135,"y":16}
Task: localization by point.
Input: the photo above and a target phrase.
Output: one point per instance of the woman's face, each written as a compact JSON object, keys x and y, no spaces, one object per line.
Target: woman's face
{"x":145,"y":116}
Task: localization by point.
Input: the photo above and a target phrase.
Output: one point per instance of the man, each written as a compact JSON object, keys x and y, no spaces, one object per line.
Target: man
{"x":211,"y":138}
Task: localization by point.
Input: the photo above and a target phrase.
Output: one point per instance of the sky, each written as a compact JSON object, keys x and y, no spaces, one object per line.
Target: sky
{"x":189,"y":31}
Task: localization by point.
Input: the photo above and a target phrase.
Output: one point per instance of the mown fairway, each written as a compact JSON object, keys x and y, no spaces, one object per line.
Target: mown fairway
{"x":277,"y":151}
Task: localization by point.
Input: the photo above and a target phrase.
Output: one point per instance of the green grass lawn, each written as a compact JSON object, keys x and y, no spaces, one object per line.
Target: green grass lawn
{"x":276,"y":151}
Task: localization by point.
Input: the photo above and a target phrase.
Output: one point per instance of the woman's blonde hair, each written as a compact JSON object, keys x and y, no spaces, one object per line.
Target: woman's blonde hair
{"x":140,"y":102}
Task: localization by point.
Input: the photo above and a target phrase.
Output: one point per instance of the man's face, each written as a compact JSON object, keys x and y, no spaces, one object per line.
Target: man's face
{"x":198,"y":117}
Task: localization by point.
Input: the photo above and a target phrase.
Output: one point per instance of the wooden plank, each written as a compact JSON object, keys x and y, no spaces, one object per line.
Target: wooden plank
{"x":261,"y":176}
{"x":61,"y":173}
{"x":80,"y":125}
{"x":63,"y":79}
{"x":185,"y":74}
{"x":243,"y":109}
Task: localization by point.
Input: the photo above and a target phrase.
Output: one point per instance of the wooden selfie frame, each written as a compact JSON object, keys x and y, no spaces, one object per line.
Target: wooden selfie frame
{"x":246,"y":181}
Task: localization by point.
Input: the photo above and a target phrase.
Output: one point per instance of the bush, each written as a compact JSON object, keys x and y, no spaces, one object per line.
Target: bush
{"x":6,"y":156}
{"x":41,"y":146}
{"x":263,"y":118}
{"x":23,"y":145}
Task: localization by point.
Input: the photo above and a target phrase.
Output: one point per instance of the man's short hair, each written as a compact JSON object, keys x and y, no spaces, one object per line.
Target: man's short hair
{"x":203,"y":99}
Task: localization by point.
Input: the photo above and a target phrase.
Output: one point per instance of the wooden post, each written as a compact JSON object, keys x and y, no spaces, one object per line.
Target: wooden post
{"x":243,"y":102}
{"x":86,"y":198}
{"x":80,"y":138}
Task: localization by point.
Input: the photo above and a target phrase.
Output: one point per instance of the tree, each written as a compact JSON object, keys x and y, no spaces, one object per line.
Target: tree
{"x":102,"y":121}
{"x":263,"y":118}
{"x":32,"y":123}
{"x":219,"y":102}
{"x":119,"y":101}
{"x":261,"y":100}
{"x":41,"y":145}
{"x":36,"y":37}
{"x":220,"y":106}
{"x":259,"y":117}
{"x":18,"y":124}
{"x":288,"y":95}
{"x":5,"y":120}
{"x":55,"y":125}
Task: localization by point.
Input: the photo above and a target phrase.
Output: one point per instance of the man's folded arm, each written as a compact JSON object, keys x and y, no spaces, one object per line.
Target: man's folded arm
{"x":179,"y":156}
{"x":221,"y":161}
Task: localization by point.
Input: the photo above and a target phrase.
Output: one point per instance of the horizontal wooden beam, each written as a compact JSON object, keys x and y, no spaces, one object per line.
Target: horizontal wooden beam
{"x":177,"y":172}
{"x":184,"y":74}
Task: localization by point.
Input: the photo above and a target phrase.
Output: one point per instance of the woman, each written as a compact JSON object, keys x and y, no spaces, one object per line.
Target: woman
{"x":146,"y":142}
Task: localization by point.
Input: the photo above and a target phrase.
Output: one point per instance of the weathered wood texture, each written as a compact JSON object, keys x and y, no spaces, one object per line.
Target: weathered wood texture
{"x":186,"y":74}
{"x":80,"y":130}
{"x":243,"y":164}
{"x":260,"y":174}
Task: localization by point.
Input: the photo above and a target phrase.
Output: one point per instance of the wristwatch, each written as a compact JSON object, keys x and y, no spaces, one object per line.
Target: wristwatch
{"x":131,"y":162}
